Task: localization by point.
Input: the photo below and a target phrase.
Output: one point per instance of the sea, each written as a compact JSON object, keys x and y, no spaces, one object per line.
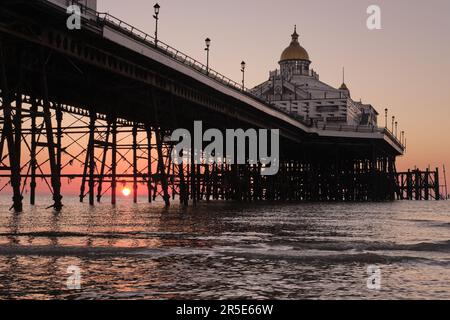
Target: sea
{"x":225,"y":250}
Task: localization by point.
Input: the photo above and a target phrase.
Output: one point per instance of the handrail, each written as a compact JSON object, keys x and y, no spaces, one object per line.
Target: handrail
{"x":169,"y":50}
{"x":360,"y":128}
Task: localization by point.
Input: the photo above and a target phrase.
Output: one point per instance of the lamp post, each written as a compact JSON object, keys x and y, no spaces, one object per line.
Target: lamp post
{"x":243,"y":74}
{"x":396,"y":125}
{"x":156,"y":7}
{"x":385,"y":116}
{"x":207,"y":43}
{"x":403,"y":137}
{"x":393,"y":120}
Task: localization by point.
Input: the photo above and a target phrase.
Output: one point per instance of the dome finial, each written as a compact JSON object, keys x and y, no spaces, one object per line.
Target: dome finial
{"x":343,"y":85}
{"x":295,"y":34}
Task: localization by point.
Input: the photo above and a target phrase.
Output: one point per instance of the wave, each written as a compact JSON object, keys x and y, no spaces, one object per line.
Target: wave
{"x":439,"y":246}
{"x":241,"y":253}
{"x":331,"y":257}
{"x":253,"y":240}
{"x":7,"y":250}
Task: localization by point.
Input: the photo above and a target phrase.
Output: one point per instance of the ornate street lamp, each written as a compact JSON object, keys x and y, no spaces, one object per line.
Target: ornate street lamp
{"x":396,"y":125}
{"x":156,"y":7}
{"x":207,"y":43}
{"x":385,"y":116}
{"x":243,"y":74}
{"x":393,"y":120}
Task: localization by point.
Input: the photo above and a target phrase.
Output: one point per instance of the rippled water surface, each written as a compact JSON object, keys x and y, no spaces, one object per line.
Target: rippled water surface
{"x":226,"y":250}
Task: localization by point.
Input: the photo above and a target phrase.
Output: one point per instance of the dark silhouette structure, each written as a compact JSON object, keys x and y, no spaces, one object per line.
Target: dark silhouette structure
{"x":98,"y":104}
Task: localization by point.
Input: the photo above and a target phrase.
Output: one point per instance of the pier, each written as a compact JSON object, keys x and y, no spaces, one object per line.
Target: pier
{"x":419,"y":185}
{"x":97,"y":106}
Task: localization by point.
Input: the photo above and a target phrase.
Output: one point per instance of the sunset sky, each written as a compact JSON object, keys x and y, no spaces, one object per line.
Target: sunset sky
{"x":404,"y":67}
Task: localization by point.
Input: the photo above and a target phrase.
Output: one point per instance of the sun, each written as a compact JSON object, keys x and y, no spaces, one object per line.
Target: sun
{"x":126,"y":191}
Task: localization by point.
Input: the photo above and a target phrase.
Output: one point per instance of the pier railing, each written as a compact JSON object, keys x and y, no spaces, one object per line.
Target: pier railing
{"x":361,"y":128}
{"x":172,"y":52}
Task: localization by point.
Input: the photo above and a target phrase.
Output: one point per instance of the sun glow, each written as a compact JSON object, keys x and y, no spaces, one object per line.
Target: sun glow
{"x":126,"y":191}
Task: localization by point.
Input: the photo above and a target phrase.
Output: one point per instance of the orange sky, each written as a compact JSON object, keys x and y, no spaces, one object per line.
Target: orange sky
{"x":405,"y":66}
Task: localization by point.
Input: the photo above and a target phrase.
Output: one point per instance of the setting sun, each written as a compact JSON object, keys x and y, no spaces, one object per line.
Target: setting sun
{"x":126,"y":191}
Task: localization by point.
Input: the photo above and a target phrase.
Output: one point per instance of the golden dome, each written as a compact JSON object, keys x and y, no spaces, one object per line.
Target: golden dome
{"x":295,"y":51}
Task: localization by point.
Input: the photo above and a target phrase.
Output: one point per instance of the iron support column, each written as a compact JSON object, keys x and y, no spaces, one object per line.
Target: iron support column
{"x":55,"y":178}
{"x":8,"y":132}
{"x":135,"y":171}
{"x":114,"y":162}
